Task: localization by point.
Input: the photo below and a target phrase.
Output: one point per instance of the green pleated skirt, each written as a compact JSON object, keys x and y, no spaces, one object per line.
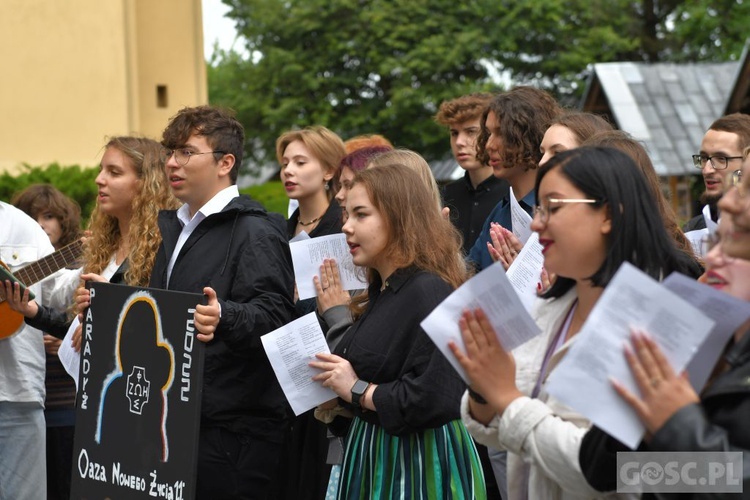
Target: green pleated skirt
{"x":437,"y":463}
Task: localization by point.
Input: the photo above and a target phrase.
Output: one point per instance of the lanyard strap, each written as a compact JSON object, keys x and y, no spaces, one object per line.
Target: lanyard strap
{"x":556,"y":343}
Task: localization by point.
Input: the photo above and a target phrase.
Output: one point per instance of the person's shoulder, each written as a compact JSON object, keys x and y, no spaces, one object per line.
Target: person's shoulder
{"x":19,"y":227}
{"x":455,"y":187}
{"x":697,"y":222}
{"x":252,"y":213}
{"x":8,"y":211}
{"x":427,"y":280}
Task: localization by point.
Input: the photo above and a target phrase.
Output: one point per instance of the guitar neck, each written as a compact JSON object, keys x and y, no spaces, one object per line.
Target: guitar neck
{"x":66,"y":256}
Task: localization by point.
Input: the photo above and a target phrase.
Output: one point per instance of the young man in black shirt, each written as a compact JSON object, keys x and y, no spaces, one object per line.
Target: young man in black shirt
{"x":471,"y":198}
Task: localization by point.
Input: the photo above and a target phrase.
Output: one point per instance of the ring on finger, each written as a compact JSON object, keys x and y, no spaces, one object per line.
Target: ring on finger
{"x":655,"y":382}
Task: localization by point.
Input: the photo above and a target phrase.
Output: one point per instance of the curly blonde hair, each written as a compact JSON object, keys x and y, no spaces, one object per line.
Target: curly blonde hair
{"x":144,"y":237}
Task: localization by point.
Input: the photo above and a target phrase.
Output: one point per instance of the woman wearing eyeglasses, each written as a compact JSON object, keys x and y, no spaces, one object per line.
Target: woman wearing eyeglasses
{"x":676,"y":418}
{"x":594,"y":212}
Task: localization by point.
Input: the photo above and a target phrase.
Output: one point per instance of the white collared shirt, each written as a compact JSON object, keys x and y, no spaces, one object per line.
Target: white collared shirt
{"x":213,"y":206}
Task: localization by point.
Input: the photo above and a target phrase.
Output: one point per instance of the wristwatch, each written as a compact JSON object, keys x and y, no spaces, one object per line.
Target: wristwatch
{"x":358,"y":390}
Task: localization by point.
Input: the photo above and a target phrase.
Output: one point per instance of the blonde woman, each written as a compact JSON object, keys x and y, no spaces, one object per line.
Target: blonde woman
{"x":132,"y":188}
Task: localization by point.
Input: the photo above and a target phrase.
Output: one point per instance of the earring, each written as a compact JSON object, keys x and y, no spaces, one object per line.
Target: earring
{"x":327,"y":186}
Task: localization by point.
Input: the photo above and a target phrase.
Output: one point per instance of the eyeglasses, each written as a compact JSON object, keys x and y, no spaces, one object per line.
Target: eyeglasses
{"x":736,"y":181}
{"x":709,"y":242}
{"x":551,"y":205}
{"x":182,"y":155}
{"x":718,"y":162}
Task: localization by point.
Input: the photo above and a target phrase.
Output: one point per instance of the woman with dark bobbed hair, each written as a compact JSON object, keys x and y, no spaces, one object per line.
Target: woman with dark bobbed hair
{"x":594,"y":211}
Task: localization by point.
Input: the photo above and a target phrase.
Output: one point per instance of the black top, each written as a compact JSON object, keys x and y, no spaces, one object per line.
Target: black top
{"x":330,"y":223}
{"x":417,"y":389}
{"x":699,"y":222}
{"x":470,"y":207}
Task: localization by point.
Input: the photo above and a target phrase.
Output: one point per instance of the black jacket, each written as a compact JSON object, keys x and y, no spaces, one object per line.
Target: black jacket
{"x":721,"y":422}
{"x":699,"y":222}
{"x":243,"y":254}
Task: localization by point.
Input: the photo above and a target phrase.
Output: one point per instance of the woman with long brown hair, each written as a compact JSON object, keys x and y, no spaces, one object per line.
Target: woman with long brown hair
{"x":406,"y":439}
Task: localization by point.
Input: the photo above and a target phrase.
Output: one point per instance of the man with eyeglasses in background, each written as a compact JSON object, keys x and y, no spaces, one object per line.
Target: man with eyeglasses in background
{"x":229,"y":248}
{"x":720,"y":155}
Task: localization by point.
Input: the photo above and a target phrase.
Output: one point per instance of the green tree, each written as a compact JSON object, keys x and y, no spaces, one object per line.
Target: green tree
{"x":381,"y":66}
{"x":384,"y":66}
{"x":551,"y":43}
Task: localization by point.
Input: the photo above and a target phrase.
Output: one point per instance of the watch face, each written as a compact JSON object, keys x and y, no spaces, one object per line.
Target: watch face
{"x":359,"y":387}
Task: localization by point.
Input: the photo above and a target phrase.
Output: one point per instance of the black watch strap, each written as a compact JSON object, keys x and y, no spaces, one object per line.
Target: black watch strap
{"x":358,"y":391}
{"x":477,"y":397}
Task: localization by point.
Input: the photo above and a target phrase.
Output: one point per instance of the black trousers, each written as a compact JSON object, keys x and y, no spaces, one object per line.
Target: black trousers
{"x":234,"y":466}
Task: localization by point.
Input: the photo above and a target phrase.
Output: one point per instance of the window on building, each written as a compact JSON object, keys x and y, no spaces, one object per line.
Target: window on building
{"x":161,"y":96}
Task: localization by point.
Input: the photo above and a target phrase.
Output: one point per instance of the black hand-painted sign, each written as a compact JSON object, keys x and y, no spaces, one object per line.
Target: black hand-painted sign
{"x":139,"y":395}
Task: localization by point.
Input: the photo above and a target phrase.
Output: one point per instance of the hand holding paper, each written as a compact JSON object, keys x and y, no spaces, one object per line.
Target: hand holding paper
{"x":490,"y":368}
{"x":661,"y":391}
{"x":631,"y":300}
{"x":290,"y":350}
{"x":309,"y":254}
{"x":336,"y":373}
{"x":491,"y":291}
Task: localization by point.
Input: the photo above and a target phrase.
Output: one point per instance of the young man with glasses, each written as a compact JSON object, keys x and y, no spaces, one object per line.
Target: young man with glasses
{"x":720,"y":155}
{"x":229,"y":248}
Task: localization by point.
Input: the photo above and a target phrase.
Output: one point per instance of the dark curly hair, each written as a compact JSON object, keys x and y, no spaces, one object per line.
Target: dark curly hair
{"x":524,"y":114}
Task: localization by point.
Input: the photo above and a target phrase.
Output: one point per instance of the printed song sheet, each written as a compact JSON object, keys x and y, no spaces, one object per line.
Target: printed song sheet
{"x":520,"y":220}
{"x":290,"y":349}
{"x":728,"y":312}
{"x":525,"y":272}
{"x":69,"y":357}
{"x":492,"y":291}
{"x":308,"y":255}
{"x":632,"y":299}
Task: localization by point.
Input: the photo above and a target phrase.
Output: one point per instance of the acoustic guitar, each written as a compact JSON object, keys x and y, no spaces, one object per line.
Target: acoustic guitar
{"x":11,"y":320}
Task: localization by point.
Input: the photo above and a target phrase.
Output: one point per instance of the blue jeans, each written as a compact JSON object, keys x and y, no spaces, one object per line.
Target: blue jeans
{"x":23,"y":470}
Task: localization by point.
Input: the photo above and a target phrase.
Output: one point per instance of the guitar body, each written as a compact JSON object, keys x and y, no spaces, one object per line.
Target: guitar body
{"x":10,"y":320}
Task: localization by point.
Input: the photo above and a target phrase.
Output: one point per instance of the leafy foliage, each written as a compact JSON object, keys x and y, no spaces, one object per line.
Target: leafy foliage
{"x":75,"y":181}
{"x":271,"y":195}
{"x":384,"y":66}
{"x":381,"y":66}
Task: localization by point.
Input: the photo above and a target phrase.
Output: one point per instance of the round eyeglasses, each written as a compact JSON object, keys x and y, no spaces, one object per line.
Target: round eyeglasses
{"x":182,"y":155}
